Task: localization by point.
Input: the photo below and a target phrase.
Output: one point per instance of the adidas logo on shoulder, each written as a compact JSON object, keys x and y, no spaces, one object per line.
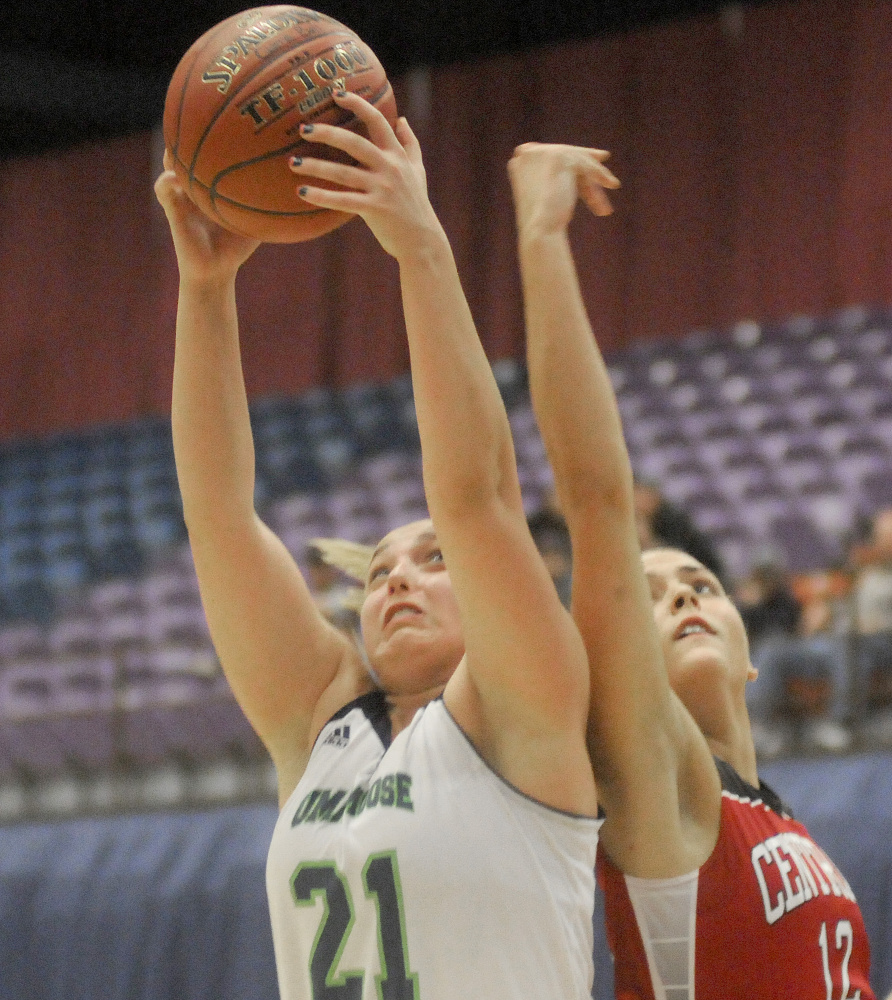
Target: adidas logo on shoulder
{"x":338,"y":737}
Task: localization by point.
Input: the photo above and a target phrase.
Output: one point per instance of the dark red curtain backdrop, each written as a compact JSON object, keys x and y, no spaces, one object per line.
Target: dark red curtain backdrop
{"x":756,"y":165}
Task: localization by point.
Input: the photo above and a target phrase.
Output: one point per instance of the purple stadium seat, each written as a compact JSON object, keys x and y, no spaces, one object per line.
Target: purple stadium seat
{"x":74,"y":634}
{"x":345,"y":504}
{"x":819,"y":410}
{"x":804,"y":545}
{"x":692,"y":397}
{"x":367,"y":529}
{"x":523,"y":424}
{"x":164,"y":696}
{"x":179,"y":707}
{"x":873,"y":343}
{"x":178,"y":624}
{"x":401,"y":504}
{"x":294,"y":511}
{"x":862,"y":454}
{"x":646,"y":429}
{"x":231,"y":731}
{"x":683,"y":487}
{"x":805,"y":472}
{"x":84,"y":706}
{"x":122,"y":629}
{"x":876,"y":490}
{"x":27,"y":691}
{"x":830,"y":508}
{"x":297,"y":520}
{"x":759,"y":505}
{"x":710,"y":511}
{"x":736,"y":545}
{"x":23,"y":642}
{"x":709,"y":425}
{"x":390,"y":467}
{"x":170,"y":584}
{"x":31,"y":698}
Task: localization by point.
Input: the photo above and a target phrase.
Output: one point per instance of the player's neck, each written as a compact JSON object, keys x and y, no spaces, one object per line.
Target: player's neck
{"x":723,"y":719}
{"x":734,"y":745}
{"x":403,"y":707}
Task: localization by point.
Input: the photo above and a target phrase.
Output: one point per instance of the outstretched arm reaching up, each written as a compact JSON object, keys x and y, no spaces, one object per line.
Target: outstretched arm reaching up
{"x":651,"y":762}
{"x":288,"y":667}
{"x":521,"y":690}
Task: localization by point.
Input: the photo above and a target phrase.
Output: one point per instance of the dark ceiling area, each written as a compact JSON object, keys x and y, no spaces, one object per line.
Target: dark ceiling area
{"x":74,"y":72}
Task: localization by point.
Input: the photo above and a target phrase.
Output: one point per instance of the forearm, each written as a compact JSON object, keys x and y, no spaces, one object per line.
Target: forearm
{"x":465,"y":435}
{"x":211,"y":426}
{"x":569,"y":383}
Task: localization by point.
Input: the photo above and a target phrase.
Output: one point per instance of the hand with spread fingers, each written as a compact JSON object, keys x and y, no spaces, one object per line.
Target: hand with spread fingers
{"x":387,"y":187}
{"x":548,"y":180}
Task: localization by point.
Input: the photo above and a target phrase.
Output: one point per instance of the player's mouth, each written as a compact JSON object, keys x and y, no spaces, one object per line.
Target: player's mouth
{"x":401,"y":610}
{"x":692,"y":626}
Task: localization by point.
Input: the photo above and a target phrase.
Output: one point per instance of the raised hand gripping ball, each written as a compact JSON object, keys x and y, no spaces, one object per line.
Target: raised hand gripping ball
{"x":235,"y":105}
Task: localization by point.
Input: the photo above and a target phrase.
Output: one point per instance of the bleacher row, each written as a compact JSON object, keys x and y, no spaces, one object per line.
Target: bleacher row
{"x":773,"y":439}
{"x":777,"y":438}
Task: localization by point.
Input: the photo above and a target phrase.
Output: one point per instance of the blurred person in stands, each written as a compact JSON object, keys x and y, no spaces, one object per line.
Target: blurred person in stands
{"x":871,"y":565}
{"x":661,"y":522}
{"x":438,"y":820}
{"x":549,"y":531}
{"x":712,"y":890}
{"x":800,"y":695}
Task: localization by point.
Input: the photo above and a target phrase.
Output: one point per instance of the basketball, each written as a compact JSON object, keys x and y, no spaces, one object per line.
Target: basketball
{"x":234,"y":108}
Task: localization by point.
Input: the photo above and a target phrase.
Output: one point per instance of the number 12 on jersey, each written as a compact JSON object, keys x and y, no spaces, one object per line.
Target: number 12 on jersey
{"x":380,"y":878}
{"x":844,"y":939}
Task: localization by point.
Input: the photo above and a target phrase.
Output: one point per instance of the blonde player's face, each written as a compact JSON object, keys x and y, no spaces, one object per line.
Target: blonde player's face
{"x":410,"y":620}
{"x":702,"y":634}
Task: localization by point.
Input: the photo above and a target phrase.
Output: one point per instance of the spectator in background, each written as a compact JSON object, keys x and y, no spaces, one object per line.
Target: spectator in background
{"x":871,"y":564}
{"x":661,"y":523}
{"x":802,"y":689}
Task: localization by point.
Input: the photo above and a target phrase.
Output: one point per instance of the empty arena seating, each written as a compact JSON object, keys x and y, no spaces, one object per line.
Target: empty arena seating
{"x":774,"y":439}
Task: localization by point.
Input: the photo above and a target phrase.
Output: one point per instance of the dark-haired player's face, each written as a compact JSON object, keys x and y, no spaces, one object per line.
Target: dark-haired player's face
{"x":698,"y":624}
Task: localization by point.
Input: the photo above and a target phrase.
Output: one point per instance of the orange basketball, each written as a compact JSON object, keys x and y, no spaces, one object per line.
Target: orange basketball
{"x":235,"y":105}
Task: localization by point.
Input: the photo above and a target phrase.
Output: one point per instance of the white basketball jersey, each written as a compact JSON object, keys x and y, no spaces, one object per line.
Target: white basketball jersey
{"x":411,"y":871}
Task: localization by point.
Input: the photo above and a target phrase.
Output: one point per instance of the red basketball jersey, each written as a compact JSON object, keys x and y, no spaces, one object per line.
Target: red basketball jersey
{"x":768,"y":915}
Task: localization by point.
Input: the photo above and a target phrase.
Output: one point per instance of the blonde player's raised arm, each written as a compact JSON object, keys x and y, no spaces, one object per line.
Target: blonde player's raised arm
{"x":288,"y":667}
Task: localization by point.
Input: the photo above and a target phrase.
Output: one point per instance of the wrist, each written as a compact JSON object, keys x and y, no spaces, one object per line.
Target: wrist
{"x":207,"y":283}
{"x":534,"y":236}
{"x":429,"y":248}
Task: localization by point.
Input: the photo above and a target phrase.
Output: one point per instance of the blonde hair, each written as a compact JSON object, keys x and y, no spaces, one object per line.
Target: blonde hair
{"x":352,"y":559}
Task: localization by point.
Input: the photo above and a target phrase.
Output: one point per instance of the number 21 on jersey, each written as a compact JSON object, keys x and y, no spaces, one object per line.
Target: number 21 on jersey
{"x":315,"y":880}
